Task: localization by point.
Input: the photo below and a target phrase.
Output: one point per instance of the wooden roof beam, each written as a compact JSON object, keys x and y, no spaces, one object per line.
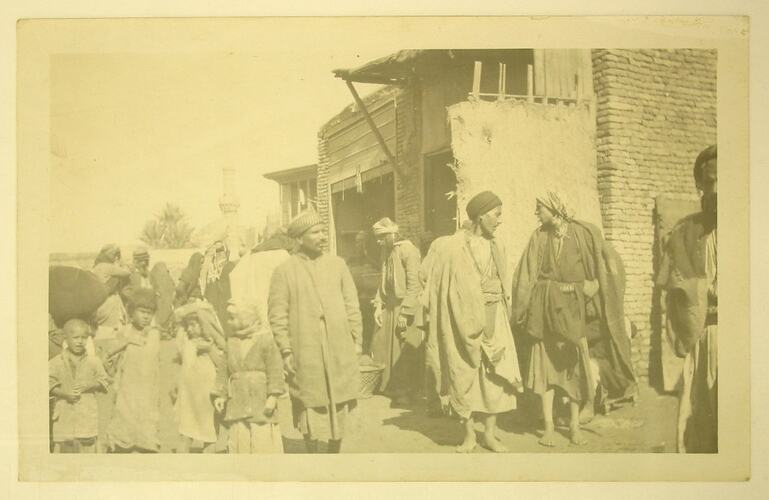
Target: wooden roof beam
{"x":382,"y":144}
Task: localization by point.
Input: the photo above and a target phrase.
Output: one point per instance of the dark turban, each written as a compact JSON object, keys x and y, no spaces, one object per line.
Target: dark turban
{"x":705,"y":156}
{"x":141,"y":254}
{"x":482,"y":203}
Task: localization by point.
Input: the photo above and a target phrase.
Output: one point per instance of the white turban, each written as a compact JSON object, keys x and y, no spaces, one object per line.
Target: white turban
{"x":385,"y":226}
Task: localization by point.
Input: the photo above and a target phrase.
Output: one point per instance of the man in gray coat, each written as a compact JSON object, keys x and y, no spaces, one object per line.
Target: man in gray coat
{"x":316,"y":321}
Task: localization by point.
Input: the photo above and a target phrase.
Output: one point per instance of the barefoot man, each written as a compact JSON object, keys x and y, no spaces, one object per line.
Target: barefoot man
{"x":691,"y":279}
{"x":568,"y":278}
{"x":469,"y":297}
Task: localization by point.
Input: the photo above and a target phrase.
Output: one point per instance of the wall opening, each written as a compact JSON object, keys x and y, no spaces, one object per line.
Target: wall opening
{"x":440,"y":184}
{"x":356,"y":211}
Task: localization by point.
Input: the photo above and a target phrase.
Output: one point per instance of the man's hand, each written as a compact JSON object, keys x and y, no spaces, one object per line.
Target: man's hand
{"x":378,"y":315}
{"x":403,"y":322}
{"x":590,"y":288}
{"x":219,"y":404}
{"x":72,"y":397}
{"x":136,"y":340}
{"x":269,"y":405}
{"x":288,"y":364}
{"x":82,"y":387}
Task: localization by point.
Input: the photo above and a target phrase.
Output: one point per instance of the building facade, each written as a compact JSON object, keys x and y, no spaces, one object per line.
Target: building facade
{"x":610,"y":130}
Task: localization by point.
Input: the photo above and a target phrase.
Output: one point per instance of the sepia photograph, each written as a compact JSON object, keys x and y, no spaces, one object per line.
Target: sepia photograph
{"x":262,"y":239}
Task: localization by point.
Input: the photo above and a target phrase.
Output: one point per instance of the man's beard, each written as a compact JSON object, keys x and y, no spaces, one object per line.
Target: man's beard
{"x":709,"y":204}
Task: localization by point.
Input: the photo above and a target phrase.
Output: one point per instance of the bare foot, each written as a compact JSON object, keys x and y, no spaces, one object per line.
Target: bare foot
{"x":493,"y":443}
{"x":548,"y":437}
{"x":586,"y":414}
{"x":468,"y":445}
{"x":577,"y":439}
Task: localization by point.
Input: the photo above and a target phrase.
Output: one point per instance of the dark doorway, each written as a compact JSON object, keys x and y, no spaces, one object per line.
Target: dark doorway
{"x":355,"y":212}
{"x":440,"y":183}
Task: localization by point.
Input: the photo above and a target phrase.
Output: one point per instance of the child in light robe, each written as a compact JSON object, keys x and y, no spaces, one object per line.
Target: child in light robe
{"x":197,"y":378}
{"x":134,"y":424}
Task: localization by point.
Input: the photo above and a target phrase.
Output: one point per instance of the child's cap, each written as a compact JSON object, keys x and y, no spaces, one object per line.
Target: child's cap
{"x":248,"y":309}
{"x":145,"y":298}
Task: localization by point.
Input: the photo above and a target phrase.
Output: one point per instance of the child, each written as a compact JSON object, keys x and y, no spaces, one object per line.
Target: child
{"x":194,"y":406}
{"x":134,"y":423}
{"x":73,"y":378}
{"x":250,"y":382}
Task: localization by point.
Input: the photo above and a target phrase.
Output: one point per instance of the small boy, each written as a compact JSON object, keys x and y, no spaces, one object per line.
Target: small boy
{"x":73,"y":378}
{"x":197,"y":378}
{"x":250,"y":383}
{"x":134,"y":424}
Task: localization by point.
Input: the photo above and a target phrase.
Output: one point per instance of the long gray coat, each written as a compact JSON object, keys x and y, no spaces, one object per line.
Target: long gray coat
{"x":305,"y":295}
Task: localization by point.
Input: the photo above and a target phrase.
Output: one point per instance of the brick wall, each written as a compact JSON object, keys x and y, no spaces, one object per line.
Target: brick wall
{"x":655,"y":111}
{"x":409,"y":199}
{"x":324,"y":193}
{"x":408,"y":188}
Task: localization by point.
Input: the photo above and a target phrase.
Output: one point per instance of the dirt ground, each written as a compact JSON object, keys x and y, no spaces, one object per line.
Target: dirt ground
{"x":646,"y":427}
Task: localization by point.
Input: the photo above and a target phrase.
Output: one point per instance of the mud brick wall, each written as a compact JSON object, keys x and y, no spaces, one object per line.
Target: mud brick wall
{"x":655,"y":111}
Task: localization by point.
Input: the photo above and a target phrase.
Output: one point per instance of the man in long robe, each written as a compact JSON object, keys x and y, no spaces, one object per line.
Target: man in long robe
{"x":690,"y":276}
{"x":469,"y":316}
{"x":569,"y":283}
{"x":316,"y":322}
{"x":434,"y":358}
{"x":397,"y":342}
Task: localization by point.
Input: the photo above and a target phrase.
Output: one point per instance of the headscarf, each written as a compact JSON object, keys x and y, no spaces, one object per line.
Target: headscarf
{"x":385,"y":226}
{"x":553,"y":203}
{"x":108,"y":254}
{"x":482,"y":203}
{"x":213,"y":264}
{"x":303,"y":222}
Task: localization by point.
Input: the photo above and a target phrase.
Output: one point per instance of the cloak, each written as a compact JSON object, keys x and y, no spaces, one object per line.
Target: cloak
{"x":606,"y":330}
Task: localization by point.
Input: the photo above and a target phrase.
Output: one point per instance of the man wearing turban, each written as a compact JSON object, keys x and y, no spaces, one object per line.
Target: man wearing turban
{"x":469,"y":315}
{"x":569,"y":285}
{"x":395,"y":305}
{"x":315,"y":319}
{"x":689,"y":272}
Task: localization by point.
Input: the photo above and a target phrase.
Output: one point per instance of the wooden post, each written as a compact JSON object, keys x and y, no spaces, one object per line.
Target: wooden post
{"x":501,"y":90}
{"x":374,"y":129}
{"x":530,"y":84}
{"x":580,"y":89}
{"x":477,"y":80}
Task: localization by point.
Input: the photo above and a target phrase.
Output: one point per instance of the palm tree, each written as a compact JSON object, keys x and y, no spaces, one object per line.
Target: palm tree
{"x":169,"y":229}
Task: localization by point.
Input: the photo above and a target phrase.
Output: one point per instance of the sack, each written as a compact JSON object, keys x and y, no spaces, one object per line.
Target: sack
{"x":73,"y":293}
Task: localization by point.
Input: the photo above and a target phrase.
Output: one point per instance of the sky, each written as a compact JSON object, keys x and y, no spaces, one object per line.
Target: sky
{"x":133,"y":131}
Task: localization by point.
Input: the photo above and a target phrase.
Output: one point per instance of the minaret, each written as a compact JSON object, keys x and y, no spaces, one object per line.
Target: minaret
{"x":229,"y":205}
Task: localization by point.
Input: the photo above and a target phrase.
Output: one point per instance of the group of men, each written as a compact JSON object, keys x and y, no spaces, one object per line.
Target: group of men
{"x":495,"y":338}
{"x":494,"y":335}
